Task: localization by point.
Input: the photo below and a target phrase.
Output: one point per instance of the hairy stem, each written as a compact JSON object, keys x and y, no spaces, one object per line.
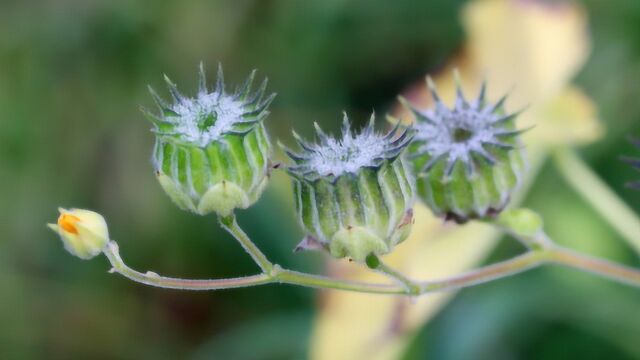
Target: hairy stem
{"x":322,"y":282}
{"x":278,"y":275}
{"x":604,"y":268}
{"x":153,"y":279}
{"x":488,"y":273}
{"x":230,"y":224}
{"x":530,"y":259}
{"x":599,"y":195}
{"x":411,"y":286}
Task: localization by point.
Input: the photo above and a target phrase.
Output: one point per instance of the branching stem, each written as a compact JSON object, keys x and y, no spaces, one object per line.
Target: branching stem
{"x":230,"y":224}
{"x":153,"y":279}
{"x":273,"y":273}
{"x":410,"y":286}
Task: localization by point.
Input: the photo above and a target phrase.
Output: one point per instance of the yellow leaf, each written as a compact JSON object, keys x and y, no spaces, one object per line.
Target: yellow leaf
{"x":530,"y":46}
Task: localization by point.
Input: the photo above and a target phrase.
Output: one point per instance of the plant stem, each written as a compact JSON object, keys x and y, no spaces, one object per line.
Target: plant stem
{"x":488,"y":273}
{"x":604,"y":268}
{"x":322,"y":282}
{"x":599,"y":195}
{"x":545,"y":251}
{"x":153,"y":279}
{"x":411,"y":286}
{"x":230,"y":224}
{"x":278,"y":275}
{"x":529,"y":260}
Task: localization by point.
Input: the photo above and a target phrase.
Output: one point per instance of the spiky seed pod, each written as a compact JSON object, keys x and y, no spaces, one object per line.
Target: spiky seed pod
{"x":468,"y":158}
{"x":212,"y":151}
{"x":353,"y":195}
{"x":635,"y":162}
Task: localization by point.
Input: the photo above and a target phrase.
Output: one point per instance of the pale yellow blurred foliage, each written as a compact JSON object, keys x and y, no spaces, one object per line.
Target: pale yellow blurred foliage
{"x":568,"y":118}
{"x":534,"y":48}
{"x":523,"y":48}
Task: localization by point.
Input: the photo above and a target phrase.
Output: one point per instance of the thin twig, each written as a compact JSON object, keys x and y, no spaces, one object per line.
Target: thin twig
{"x":488,"y":273}
{"x":607,"y":269}
{"x":230,"y":224}
{"x":153,"y":279}
{"x":410,"y":286}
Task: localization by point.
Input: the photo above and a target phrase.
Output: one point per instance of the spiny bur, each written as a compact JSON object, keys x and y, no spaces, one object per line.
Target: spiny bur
{"x":353,"y":195}
{"x":212,"y":151}
{"x":468,"y":159}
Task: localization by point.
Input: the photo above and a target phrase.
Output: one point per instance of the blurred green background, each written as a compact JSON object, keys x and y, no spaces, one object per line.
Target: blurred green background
{"x":72,"y":75}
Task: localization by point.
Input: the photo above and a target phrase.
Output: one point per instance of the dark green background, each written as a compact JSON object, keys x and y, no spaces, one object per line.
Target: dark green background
{"x":72,"y":75}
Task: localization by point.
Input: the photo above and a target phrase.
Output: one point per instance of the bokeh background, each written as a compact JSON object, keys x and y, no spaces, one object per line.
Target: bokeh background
{"x":72,"y":76}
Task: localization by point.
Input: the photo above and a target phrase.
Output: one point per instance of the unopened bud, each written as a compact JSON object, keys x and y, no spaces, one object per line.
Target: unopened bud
{"x":84,"y":233}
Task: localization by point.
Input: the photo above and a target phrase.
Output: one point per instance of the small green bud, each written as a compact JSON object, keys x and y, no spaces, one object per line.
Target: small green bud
{"x":212,"y":151}
{"x":372,"y":261}
{"x":84,"y":233}
{"x":353,"y":195}
{"x":468,"y":159}
{"x":521,"y":222}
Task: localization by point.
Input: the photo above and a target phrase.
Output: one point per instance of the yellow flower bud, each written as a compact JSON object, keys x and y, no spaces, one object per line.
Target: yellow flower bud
{"x":83,"y":232}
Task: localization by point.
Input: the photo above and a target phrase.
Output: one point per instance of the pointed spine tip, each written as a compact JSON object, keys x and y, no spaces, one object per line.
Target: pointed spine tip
{"x":434,"y":91}
{"x":257,"y":96}
{"x":346,"y":125}
{"x":370,"y":127}
{"x":202,"y":79}
{"x":513,"y":133}
{"x":220,"y":80}
{"x":266,"y":102}
{"x":500,"y":103}
{"x":403,"y":101}
{"x":155,"y":119}
{"x":157,"y":99}
{"x":482,"y":93}
{"x":460,"y":99}
{"x":245,"y":89}
{"x":391,"y":119}
{"x":173,"y":89}
{"x":451,"y":164}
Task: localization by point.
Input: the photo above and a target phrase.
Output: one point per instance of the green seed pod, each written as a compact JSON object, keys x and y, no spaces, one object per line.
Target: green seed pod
{"x":212,"y":151}
{"x":353,"y":195}
{"x":468,"y":159}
